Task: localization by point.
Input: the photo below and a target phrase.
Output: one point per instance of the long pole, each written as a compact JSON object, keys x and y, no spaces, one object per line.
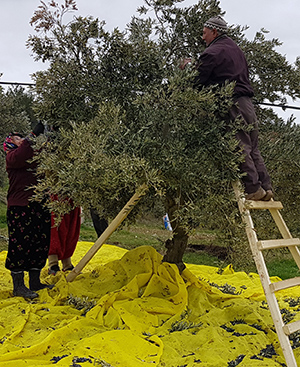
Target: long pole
{"x":107,"y":233}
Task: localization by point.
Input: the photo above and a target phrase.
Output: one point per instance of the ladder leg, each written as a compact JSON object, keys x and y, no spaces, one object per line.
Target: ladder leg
{"x":285,"y":234}
{"x":264,"y":274}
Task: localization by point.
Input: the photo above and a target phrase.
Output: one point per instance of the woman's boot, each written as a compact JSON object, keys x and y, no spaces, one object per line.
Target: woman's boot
{"x":35,"y":282}
{"x":20,"y":290}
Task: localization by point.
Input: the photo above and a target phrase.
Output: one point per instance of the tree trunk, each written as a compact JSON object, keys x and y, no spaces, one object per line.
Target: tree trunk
{"x":177,"y":245}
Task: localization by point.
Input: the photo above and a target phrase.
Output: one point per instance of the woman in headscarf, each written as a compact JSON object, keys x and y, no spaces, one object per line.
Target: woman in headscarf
{"x":28,"y":221}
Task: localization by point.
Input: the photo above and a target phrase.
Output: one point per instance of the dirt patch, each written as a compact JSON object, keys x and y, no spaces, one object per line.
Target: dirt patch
{"x":220,"y":252}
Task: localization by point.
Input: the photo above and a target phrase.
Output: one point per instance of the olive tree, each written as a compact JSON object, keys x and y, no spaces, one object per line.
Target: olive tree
{"x":124,"y":114}
{"x":16,"y":114}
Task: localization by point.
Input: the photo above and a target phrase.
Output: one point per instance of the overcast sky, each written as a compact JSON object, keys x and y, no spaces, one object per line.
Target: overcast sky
{"x":279,"y":17}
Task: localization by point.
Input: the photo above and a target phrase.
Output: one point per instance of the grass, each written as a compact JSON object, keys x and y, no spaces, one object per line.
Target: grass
{"x":287,"y":267}
{"x":150,"y":231}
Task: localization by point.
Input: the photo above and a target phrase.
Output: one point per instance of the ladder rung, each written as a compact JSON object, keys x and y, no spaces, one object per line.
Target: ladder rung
{"x":251,"y":204}
{"x":291,"y":328}
{"x":282,"y":242}
{"x":256,"y":246}
{"x":283,"y":284}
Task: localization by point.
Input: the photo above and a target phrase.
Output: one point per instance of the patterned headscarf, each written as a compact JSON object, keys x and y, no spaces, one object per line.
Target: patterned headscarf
{"x":8,"y":144}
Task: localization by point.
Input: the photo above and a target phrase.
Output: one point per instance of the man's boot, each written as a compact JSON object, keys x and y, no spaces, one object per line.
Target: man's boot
{"x":257,"y":195}
{"x":20,"y":290}
{"x":35,"y":282}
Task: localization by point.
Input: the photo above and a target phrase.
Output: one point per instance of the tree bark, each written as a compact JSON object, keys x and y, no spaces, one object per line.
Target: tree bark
{"x":177,"y":245}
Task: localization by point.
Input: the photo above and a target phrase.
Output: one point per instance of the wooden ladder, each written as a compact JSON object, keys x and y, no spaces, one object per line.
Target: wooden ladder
{"x":283,"y":330}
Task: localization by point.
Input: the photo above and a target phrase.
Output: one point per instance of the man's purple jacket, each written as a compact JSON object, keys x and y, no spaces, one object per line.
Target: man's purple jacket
{"x":224,"y":61}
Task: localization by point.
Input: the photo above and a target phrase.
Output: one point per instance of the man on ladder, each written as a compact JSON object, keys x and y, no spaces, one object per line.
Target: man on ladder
{"x":224,"y":61}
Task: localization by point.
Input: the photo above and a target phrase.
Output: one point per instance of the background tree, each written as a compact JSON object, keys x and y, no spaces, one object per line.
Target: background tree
{"x":127,"y":115}
{"x":16,"y":114}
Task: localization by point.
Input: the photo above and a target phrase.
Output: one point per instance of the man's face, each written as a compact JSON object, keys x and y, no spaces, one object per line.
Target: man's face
{"x":209,"y":35}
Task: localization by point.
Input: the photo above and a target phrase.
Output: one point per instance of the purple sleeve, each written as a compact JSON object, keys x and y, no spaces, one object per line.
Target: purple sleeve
{"x":17,"y":158}
{"x":205,"y":68}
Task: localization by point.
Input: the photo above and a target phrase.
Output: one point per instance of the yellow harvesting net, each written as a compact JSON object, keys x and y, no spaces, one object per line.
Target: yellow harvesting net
{"x":128,"y":309}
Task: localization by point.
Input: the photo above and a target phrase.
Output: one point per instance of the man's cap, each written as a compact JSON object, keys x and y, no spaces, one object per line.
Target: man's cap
{"x":217,"y":23}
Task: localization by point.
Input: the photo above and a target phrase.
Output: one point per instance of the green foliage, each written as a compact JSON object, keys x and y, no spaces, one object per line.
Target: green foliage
{"x":104,"y":173}
{"x":184,"y":324}
{"x":85,"y":304}
{"x":226,"y":288}
{"x":15,"y":111}
{"x":273,"y":77}
{"x":16,"y":114}
{"x":2,"y":215}
{"x":155,"y":130}
{"x":280,"y":146}
{"x":124,"y":115}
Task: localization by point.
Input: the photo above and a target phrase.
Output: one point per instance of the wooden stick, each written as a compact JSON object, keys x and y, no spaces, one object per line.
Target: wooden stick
{"x":107,"y":233}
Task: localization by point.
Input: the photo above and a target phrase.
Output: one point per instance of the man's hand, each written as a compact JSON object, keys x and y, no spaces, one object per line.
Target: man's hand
{"x":184,"y":63}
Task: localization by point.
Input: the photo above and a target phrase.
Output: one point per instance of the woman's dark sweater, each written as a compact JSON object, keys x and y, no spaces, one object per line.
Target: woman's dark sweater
{"x":21,"y":174}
